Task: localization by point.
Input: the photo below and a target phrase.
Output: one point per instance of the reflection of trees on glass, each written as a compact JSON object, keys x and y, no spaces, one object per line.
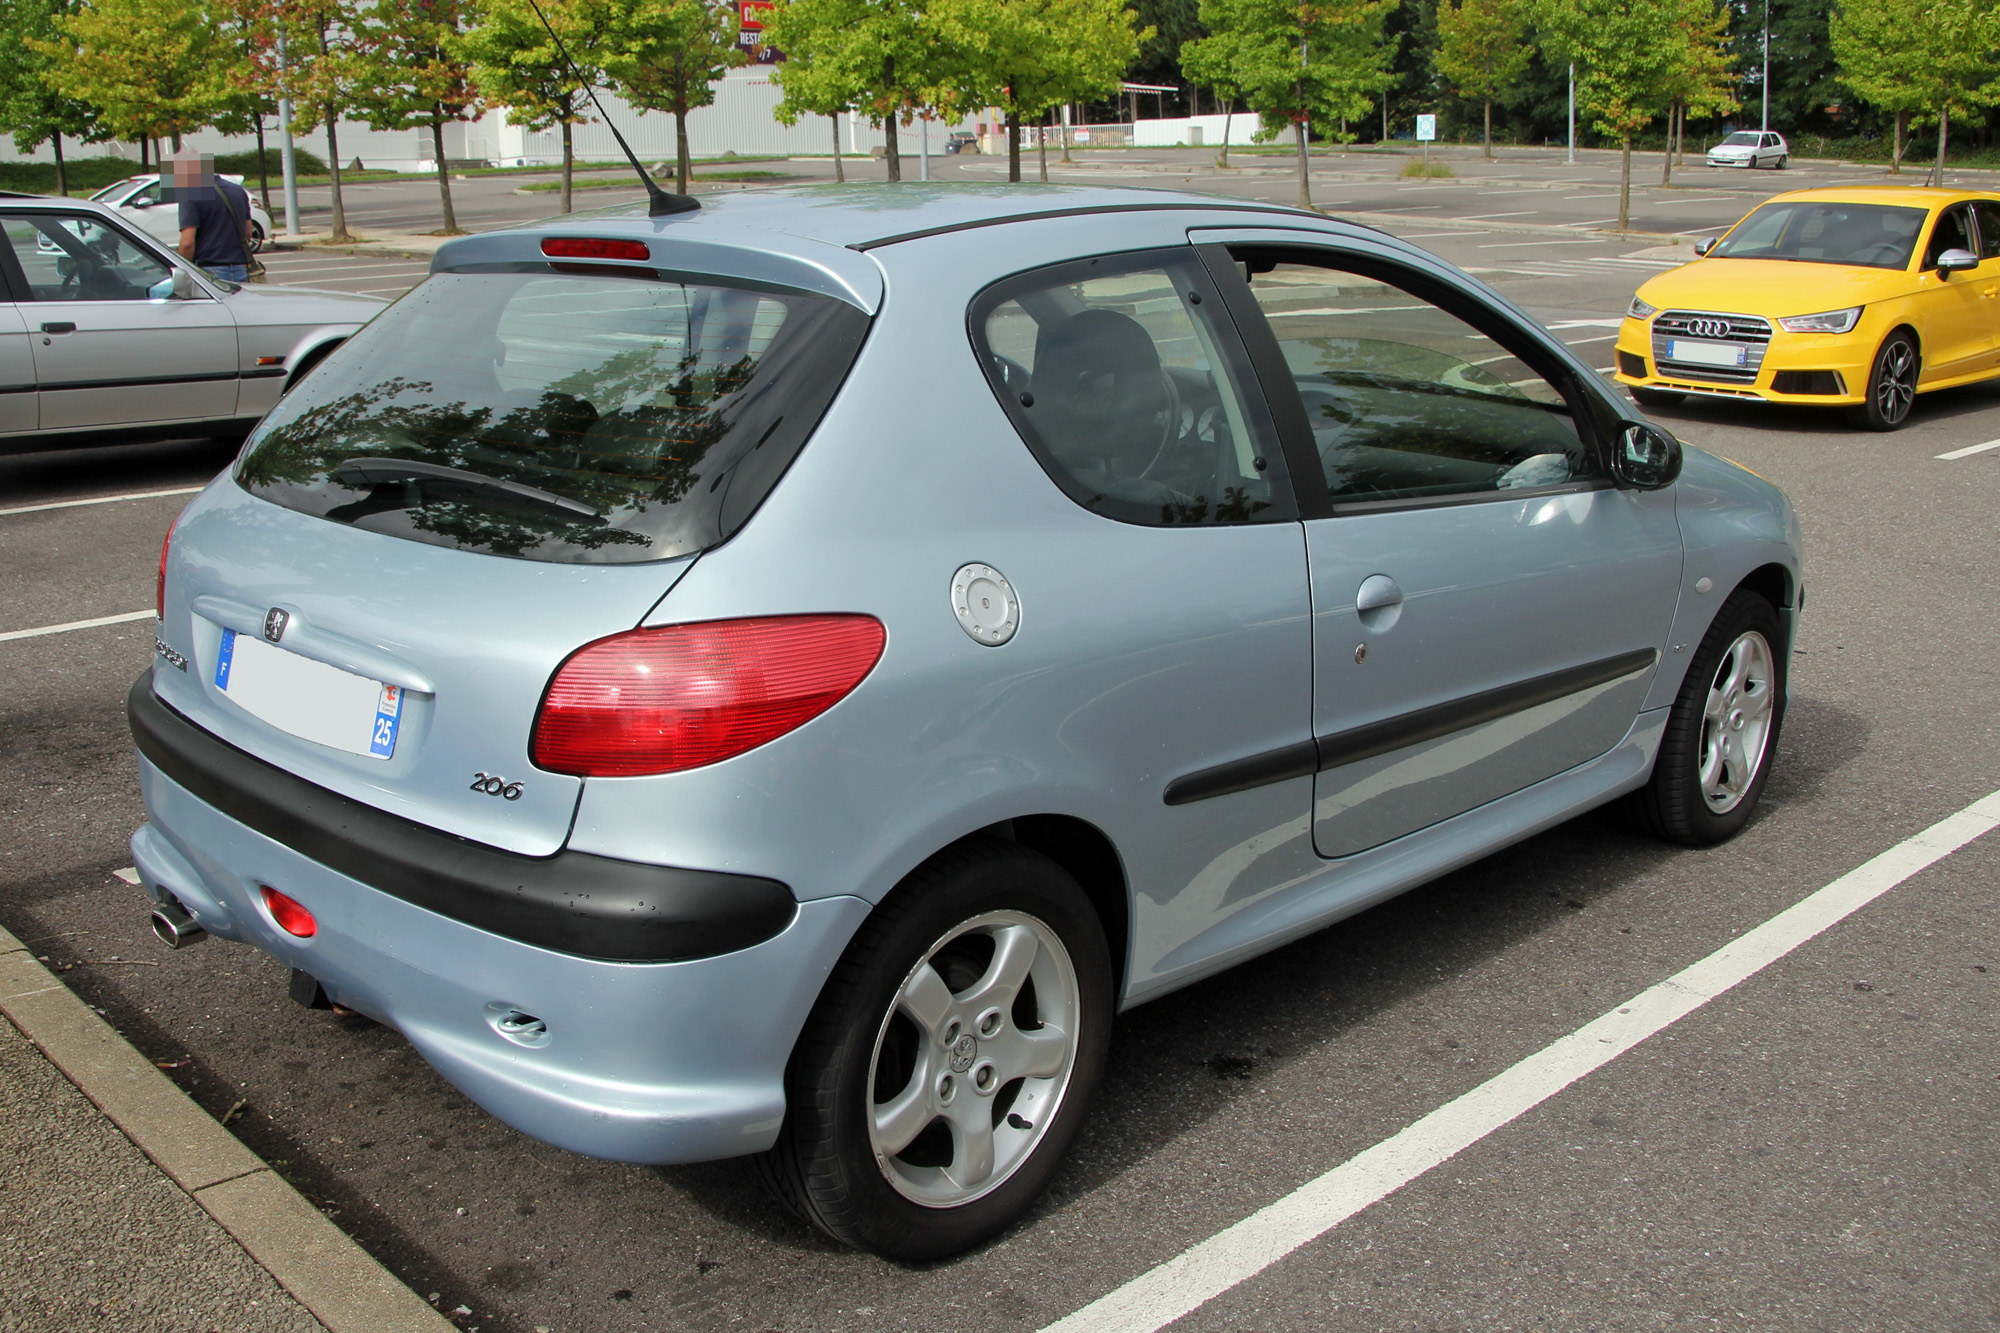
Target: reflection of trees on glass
{"x":556,"y":418}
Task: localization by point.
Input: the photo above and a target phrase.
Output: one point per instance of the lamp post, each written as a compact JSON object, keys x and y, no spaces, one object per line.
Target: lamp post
{"x":1572,"y":113}
{"x":1766,"y":127}
{"x":291,"y":166}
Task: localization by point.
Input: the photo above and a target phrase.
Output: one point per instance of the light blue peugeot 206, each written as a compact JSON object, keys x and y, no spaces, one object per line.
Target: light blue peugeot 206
{"x":778,"y":677}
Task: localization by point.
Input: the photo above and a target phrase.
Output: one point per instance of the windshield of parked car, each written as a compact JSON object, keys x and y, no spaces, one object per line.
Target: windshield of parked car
{"x":1820,"y":232}
{"x":1742,"y":139}
{"x":558,"y":416}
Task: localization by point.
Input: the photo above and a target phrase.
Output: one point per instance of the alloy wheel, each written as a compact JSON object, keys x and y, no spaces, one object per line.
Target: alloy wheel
{"x":1736,"y":721}
{"x":1896,"y":381}
{"x":973,"y":1059}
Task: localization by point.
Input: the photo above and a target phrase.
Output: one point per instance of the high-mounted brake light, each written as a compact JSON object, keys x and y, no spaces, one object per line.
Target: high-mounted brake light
{"x":681,"y":696}
{"x":594,"y":247}
{"x":292,"y":918}
{"x":160,"y":588}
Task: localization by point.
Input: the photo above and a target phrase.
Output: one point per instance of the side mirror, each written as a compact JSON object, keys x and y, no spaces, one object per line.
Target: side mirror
{"x":1705,"y":245}
{"x":1645,"y":457}
{"x":183,"y":284}
{"x":1956,"y":261}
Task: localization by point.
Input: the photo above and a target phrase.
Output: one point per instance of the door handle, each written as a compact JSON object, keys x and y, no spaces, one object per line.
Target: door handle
{"x":1379,"y":602}
{"x":59,"y":326}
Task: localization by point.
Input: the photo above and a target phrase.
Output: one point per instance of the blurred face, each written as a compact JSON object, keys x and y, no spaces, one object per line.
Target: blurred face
{"x":192,"y":171}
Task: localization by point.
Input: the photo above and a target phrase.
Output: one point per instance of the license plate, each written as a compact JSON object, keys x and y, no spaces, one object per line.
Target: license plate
{"x":309,"y":699}
{"x":1707,"y":354}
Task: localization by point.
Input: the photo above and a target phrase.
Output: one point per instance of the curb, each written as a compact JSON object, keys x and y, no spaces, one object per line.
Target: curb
{"x":336,"y":1281}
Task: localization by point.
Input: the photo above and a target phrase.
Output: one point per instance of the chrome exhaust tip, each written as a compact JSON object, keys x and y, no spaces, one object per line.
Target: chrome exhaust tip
{"x":174,"y":926}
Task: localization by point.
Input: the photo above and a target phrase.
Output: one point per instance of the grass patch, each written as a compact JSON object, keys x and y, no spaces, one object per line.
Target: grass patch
{"x":1417,"y":166}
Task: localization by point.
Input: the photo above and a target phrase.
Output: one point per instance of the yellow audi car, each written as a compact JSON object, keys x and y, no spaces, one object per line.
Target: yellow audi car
{"x":1858,"y":298}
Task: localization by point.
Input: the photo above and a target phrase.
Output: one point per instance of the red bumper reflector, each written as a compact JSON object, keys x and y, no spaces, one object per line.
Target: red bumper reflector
{"x":681,"y":696}
{"x":593,"y":247}
{"x":160,"y":588}
{"x":290,"y":916}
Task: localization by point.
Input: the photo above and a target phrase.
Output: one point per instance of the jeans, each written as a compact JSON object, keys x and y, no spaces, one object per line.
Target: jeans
{"x":230,"y":272}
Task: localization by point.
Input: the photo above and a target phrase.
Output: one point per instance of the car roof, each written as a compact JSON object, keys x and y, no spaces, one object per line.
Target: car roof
{"x":1907,"y":196}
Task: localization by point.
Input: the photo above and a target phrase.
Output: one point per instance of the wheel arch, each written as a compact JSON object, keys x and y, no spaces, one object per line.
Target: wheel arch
{"x":1091,"y":859}
{"x":311,"y":357}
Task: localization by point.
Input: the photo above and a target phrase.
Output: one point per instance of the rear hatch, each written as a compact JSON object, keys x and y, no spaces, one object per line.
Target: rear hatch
{"x":504,"y":466}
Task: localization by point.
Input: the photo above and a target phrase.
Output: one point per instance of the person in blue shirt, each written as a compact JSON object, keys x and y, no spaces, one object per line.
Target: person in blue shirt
{"x":210,"y":236}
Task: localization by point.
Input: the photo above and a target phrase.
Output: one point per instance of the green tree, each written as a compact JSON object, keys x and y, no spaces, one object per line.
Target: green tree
{"x":811,"y":86}
{"x":517,"y":63}
{"x":887,"y":55}
{"x":1210,"y":62}
{"x":1621,"y":67}
{"x":419,"y":81}
{"x":146,"y":66}
{"x":1482,"y":52}
{"x":314,"y":52}
{"x":30,"y":108}
{"x":1028,"y":56}
{"x":1698,"y":78}
{"x":1933,"y":57}
{"x":1298,"y":61}
{"x":666,"y":55}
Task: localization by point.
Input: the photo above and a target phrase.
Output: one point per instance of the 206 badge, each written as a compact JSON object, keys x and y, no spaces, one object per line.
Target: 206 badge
{"x":494,"y":785}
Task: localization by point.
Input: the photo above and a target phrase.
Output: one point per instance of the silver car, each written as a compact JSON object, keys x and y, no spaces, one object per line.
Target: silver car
{"x":105,"y":333}
{"x":777,"y":679}
{"x":1750,"y":148}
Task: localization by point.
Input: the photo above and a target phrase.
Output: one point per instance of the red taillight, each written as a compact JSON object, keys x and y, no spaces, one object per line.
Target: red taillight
{"x":290,"y":916}
{"x":160,"y":588}
{"x":662,"y":700}
{"x":593,"y":247}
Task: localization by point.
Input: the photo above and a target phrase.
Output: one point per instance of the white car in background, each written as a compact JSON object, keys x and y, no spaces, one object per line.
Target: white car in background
{"x":1750,"y":148}
{"x":137,"y":198}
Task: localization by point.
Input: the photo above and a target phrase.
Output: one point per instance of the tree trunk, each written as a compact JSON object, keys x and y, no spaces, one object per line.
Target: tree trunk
{"x":444,"y":176}
{"x":893,"y":157}
{"x":1066,"y":133}
{"x":62,"y":172}
{"x":683,"y":164}
{"x":567,"y":180}
{"x":1667,"y":167}
{"x":1013,"y":148}
{"x":1042,"y":145}
{"x":144,"y":159}
{"x":1228,"y":112}
{"x":1625,"y":185}
{"x":263,"y":171}
{"x":1944,"y":133}
{"x":839,"y":171}
{"x":1489,"y":127}
{"x":1902,"y":119}
{"x":339,"y":232}
{"x":1305,"y":168}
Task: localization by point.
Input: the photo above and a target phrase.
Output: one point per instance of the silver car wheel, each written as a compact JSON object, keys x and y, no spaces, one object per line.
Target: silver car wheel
{"x":1896,"y":390}
{"x":965,"y":1081}
{"x":1736,"y":723}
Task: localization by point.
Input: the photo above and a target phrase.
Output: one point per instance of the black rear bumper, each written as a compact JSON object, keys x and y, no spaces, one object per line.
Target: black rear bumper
{"x":572,"y":902}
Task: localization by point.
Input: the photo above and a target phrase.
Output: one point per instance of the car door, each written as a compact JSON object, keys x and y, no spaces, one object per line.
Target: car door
{"x":1955,"y":316}
{"x":1488,"y":609}
{"x":17,"y":368}
{"x":106,"y":351}
{"x":1986,"y":220}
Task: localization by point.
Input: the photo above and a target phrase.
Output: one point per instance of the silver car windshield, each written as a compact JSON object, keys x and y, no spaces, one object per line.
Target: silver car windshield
{"x":1741,"y":139}
{"x":1818,"y":232}
{"x":556,"y":415}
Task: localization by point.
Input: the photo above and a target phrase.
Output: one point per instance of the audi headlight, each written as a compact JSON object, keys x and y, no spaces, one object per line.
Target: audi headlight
{"x":1832,"y":321}
{"x":1641,"y":310}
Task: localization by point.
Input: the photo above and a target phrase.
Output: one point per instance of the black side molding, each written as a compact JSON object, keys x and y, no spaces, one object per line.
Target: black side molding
{"x":572,"y":902}
{"x":1303,"y":758}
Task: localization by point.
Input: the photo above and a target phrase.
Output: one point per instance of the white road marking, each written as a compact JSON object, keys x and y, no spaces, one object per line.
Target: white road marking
{"x":1571,"y":197}
{"x":1433,"y":235}
{"x":1594,"y":222}
{"x":1609,"y":322}
{"x":1197,"y":1275}
{"x":1578,"y":342}
{"x":1485,"y":217}
{"x":99,"y":500}
{"x":75,"y":624}
{"x":1516,"y":245}
{"x":129,"y":874}
{"x":1970,"y":450}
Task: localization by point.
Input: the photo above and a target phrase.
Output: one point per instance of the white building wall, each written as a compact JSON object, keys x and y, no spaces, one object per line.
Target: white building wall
{"x":1167,"y":133}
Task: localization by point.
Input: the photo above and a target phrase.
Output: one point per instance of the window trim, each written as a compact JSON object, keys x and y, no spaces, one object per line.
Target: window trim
{"x":1587,"y":410}
{"x":24,"y":291}
{"x":1926,"y":264}
{"x":1284,"y":506}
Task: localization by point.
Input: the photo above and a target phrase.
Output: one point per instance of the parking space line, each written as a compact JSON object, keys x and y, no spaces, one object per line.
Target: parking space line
{"x":98,"y":500}
{"x":1970,"y":450}
{"x":1197,"y":1275}
{"x":36,"y":633}
{"x":1516,"y":245}
{"x":1484,"y":217}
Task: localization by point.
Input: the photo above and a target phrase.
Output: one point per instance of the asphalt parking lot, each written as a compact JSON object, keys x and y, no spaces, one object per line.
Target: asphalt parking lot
{"x":1810,"y":1150}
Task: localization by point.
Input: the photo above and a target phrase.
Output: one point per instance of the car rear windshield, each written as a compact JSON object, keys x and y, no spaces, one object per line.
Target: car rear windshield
{"x":1819,"y":232}
{"x":577,"y":417}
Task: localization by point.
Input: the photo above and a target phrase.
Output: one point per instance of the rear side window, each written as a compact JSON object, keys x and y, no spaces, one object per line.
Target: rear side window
{"x":559,"y":416}
{"x":1130,"y":396}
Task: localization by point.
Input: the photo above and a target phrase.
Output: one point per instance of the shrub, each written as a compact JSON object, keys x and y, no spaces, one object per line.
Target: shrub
{"x":1417,"y":166}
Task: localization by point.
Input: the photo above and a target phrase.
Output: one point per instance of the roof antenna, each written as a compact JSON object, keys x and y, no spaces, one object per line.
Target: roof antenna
{"x":663,"y":202}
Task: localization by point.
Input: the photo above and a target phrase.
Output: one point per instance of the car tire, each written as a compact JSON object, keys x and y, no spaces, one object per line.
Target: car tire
{"x":1723,"y":730}
{"x":256,"y":239}
{"x":1781,"y":162}
{"x":1892,"y":385}
{"x":1654,"y":397}
{"x":932,"y":1008}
